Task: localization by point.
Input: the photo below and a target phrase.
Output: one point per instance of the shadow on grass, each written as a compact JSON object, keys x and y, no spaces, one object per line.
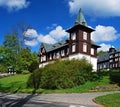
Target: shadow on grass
{"x":12,"y":87}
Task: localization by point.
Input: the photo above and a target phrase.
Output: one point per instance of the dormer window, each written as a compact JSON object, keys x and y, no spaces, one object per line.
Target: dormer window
{"x":43,"y":50}
{"x":85,"y":35}
{"x":73,"y":36}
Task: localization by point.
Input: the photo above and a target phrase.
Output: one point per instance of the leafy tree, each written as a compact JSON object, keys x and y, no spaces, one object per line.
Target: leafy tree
{"x":25,"y":58}
{"x":101,"y":53}
{"x":9,"y":50}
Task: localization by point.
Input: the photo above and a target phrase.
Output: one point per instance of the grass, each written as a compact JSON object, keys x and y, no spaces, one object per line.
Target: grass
{"x":18,"y":83}
{"x":110,"y":100}
{"x":13,"y":83}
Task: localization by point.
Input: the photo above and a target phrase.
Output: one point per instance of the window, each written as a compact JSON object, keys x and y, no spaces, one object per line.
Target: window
{"x":67,"y":51}
{"x":73,"y":48}
{"x":111,"y":60}
{"x":84,"y":47}
{"x":73,"y":36}
{"x":116,"y":54}
{"x":62,"y":52}
{"x":84,"y":35}
{"x":43,"y":58}
{"x":58,"y":55}
{"x":116,"y":65}
{"x":111,"y":56}
{"x":116,"y":59}
{"x":92,"y":51}
{"x":50,"y":56}
{"x":54,"y":55}
{"x":43,"y":50}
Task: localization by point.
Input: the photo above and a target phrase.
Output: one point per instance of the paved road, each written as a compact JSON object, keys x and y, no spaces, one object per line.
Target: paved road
{"x":50,"y":100}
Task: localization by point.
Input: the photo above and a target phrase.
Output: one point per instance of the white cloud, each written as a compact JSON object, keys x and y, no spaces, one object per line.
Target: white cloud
{"x":14,"y":4}
{"x":58,"y":34}
{"x":104,"y":8}
{"x":104,"y":47}
{"x":104,"y":33}
{"x":32,"y":42}
{"x":33,"y":37}
{"x":46,"y":39}
{"x":30,"y":33}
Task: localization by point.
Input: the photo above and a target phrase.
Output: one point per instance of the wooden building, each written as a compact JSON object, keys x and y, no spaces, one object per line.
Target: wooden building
{"x":109,"y":60}
{"x":78,"y":45}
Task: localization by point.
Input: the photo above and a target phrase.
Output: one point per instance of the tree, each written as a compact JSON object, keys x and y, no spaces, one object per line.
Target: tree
{"x":25,"y":58}
{"x":19,"y":31}
{"x":101,"y":53}
{"x":10,"y":50}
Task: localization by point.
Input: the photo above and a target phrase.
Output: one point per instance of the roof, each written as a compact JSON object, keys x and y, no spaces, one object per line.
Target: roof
{"x":103,"y":57}
{"x":93,"y":43}
{"x":106,"y":55}
{"x":80,"y":18}
{"x":51,"y":47}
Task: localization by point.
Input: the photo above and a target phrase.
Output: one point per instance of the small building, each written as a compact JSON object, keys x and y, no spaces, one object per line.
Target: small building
{"x":77,"y":46}
{"x":109,"y":60}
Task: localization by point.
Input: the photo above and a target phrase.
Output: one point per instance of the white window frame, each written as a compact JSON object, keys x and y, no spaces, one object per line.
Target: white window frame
{"x":67,"y":51}
{"x":73,"y":36}
{"x":50,"y":57}
{"x":62,"y":52}
{"x":84,"y":47}
{"x":85,"y":35}
{"x":92,"y":51}
{"x":74,"y":48}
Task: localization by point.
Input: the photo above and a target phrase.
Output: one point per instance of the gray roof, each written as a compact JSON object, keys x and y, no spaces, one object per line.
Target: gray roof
{"x":51,"y":47}
{"x":93,"y":43}
{"x":103,"y":57}
{"x":106,"y":55}
{"x":80,"y":18}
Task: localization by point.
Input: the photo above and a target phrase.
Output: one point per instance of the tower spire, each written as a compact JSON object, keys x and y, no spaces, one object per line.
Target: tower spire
{"x":80,"y":18}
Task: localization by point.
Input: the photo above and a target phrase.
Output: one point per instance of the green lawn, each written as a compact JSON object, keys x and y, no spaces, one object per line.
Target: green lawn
{"x":110,"y":100}
{"x":14,"y":83}
{"x":18,"y":83}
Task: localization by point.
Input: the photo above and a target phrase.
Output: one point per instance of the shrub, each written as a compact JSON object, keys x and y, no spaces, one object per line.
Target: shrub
{"x":115,"y":77}
{"x":25,"y":72}
{"x":61,"y":74}
{"x":33,"y":66}
{"x":3,"y":68}
{"x":34,"y":79}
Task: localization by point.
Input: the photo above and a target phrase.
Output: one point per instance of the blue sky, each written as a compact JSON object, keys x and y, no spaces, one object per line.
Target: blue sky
{"x":50,"y":18}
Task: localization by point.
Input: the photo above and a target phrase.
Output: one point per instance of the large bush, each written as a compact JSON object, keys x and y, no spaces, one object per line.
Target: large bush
{"x":62,"y":74}
{"x":115,"y":77}
{"x":35,"y":79}
{"x":33,"y":66}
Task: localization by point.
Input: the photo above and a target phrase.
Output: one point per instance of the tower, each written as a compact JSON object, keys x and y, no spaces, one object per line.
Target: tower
{"x":80,"y":43}
{"x":80,"y":36}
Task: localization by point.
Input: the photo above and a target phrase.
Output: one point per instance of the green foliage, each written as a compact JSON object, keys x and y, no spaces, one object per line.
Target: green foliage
{"x":11,"y":54}
{"x":3,"y":68}
{"x":115,"y":77}
{"x":18,"y":83}
{"x":34,"y":65}
{"x":101,"y":53}
{"x":63,"y":74}
{"x":34,"y":80}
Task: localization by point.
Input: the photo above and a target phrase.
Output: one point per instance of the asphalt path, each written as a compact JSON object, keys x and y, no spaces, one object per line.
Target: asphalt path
{"x":50,"y":100}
